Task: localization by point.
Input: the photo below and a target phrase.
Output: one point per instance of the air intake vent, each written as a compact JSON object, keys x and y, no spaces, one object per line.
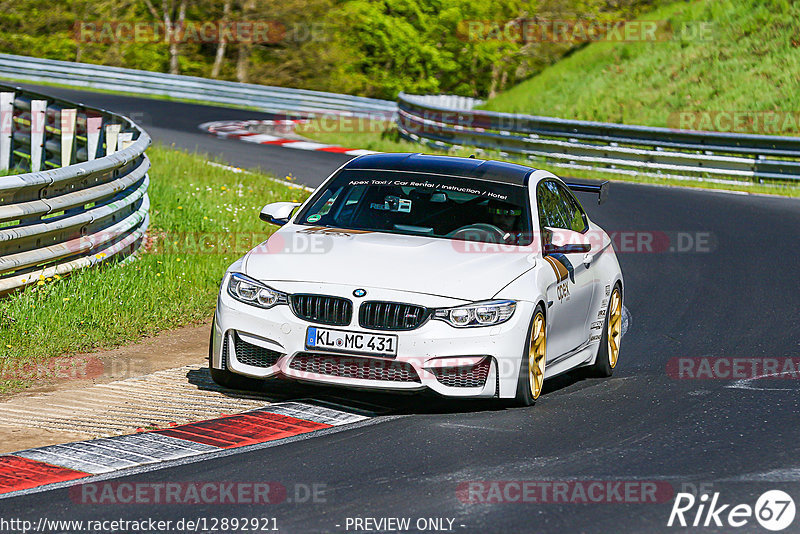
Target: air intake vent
{"x":464,"y":377}
{"x":322,"y":309}
{"x":354,"y":367}
{"x":391,"y":315}
{"x":250,"y":354}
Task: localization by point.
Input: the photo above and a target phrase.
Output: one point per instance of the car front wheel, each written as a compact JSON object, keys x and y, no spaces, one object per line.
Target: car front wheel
{"x":534,"y":360}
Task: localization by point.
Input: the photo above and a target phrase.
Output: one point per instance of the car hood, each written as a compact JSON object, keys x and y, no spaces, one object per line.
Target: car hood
{"x":435,"y":266}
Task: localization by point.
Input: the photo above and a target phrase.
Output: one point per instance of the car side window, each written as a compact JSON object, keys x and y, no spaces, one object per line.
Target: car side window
{"x":574,"y":214}
{"x":564,"y":212}
{"x":545,"y":203}
{"x":547,"y":206}
{"x":553,"y":211}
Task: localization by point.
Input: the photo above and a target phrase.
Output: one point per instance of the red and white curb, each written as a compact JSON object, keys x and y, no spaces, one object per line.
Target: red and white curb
{"x":243,"y":131}
{"x":41,"y":466}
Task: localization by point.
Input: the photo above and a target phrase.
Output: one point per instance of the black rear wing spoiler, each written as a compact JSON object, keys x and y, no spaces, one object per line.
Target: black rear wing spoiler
{"x":601,"y":190}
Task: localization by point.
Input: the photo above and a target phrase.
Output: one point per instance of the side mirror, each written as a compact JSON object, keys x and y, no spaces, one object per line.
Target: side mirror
{"x":278,"y":212}
{"x":563,"y":241}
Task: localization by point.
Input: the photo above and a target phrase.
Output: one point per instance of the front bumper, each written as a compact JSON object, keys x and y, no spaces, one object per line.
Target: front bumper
{"x":453,"y":362}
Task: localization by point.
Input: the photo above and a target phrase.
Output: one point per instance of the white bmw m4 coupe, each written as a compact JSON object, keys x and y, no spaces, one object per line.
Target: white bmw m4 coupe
{"x":411,"y":272}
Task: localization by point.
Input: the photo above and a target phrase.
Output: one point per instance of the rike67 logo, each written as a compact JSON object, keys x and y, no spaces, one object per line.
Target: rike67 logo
{"x":774,"y":510}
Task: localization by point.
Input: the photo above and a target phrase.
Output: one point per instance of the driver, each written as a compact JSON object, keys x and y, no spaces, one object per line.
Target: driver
{"x":506,"y":217}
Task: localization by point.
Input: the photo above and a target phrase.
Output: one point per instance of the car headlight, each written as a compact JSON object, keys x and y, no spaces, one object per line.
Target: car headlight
{"x":490,"y":312}
{"x":249,"y":291}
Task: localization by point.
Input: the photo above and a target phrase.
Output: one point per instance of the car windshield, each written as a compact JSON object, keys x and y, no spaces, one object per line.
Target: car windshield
{"x":420,"y":204}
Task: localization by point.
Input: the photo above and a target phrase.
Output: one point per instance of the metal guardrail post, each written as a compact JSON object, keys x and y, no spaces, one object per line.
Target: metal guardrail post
{"x":6,"y":122}
{"x":124,"y":140}
{"x":37,"y":124}
{"x":93,"y":127}
{"x":69,"y":119}
{"x":112,"y":138}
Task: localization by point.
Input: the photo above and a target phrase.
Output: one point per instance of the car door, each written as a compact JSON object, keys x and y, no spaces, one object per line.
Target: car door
{"x":573,"y":286}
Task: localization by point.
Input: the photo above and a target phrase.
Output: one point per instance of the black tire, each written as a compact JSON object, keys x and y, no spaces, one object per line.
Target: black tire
{"x":226,"y":378}
{"x":603,"y":367}
{"x":525,"y":396}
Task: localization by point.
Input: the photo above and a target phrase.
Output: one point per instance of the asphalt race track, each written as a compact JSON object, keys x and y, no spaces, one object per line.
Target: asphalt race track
{"x":734,"y":296}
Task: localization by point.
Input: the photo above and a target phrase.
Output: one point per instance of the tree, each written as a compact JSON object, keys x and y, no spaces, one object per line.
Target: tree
{"x":174,"y":18}
{"x":222,"y":43}
{"x":243,"y":59}
{"x":366,"y":47}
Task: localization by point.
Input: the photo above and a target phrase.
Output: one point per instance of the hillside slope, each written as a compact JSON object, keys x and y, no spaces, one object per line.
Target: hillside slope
{"x":733,"y":56}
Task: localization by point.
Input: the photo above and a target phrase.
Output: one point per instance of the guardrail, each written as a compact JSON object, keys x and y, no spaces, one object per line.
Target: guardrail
{"x":263,"y":97}
{"x":617,"y":148}
{"x":446,"y":121}
{"x":74,"y":192}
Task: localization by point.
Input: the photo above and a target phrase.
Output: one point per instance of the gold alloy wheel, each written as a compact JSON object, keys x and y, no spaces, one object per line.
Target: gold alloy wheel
{"x":536,"y":355}
{"x":614,"y":327}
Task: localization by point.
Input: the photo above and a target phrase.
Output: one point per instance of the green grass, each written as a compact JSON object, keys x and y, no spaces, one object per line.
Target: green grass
{"x":383,"y":137}
{"x":173,"y":283}
{"x":12,"y":172}
{"x":749,"y":63}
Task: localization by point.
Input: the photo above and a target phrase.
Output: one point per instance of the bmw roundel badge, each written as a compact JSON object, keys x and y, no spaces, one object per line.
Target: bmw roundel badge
{"x":359,"y":292}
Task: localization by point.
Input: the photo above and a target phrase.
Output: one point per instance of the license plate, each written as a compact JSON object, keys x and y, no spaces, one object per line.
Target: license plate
{"x":353,"y":342}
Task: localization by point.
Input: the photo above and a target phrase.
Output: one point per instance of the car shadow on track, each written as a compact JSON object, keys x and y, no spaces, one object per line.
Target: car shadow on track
{"x":373,"y":403}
